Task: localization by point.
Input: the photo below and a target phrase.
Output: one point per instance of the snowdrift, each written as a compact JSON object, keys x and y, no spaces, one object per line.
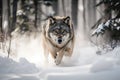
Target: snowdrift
{"x":85,"y":64}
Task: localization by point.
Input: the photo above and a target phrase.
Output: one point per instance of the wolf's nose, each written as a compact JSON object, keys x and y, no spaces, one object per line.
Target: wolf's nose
{"x":59,"y":41}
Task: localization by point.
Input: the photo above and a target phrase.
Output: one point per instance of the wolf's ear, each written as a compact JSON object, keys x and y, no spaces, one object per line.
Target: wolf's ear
{"x":67,"y":19}
{"x":52,"y":19}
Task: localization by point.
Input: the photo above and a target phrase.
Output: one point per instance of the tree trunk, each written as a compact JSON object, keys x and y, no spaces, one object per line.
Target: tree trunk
{"x":74,"y":12}
{"x":61,"y":8}
{"x":5,"y":17}
{"x":80,"y":18}
{"x":89,"y":15}
{"x":67,"y":8}
{"x":0,"y":15}
{"x":36,"y":12}
{"x":55,"y":7}
{"x":14,"y":14}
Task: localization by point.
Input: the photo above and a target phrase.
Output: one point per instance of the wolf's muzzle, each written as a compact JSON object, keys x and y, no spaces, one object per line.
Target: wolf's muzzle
{"x":59,"y":40}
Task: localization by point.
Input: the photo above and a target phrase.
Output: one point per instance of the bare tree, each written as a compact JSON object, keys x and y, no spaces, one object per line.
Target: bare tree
{"x":61,"y":9}
{"x":0,"y":15}
{"x":14,"y":14}
{"x":74,"y":12}
{"x":5,"y":17}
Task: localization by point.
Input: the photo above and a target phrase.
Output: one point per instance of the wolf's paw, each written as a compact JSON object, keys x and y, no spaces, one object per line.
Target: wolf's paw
{"x":57,"y":62}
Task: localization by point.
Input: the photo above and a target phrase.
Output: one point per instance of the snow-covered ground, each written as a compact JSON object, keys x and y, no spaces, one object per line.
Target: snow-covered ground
{"x":26,"y":63}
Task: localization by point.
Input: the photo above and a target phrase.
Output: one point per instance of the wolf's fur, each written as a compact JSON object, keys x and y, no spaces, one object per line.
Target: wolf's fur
{"x":58,"y":38}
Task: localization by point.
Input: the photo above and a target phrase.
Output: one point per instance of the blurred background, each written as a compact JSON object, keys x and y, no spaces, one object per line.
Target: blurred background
{"x":83,"y":12}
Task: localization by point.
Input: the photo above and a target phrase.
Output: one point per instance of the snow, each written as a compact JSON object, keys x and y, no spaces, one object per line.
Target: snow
{"x":85,"y":64}
{"x":107,"y":23}
{"x":100,"y":29}
{"x":20,"y":12}
{"x":118,"y":27}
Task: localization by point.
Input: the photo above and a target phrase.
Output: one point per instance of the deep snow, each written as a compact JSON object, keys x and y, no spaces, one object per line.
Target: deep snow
{"x":26,"y":62}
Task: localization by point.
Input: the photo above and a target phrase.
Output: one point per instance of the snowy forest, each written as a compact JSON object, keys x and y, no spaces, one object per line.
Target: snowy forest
{"x":96,"y":53}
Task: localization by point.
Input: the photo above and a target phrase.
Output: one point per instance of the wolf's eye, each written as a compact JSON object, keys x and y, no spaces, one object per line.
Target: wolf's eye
{"x":64,"y":32}
{"x":55,"y":32}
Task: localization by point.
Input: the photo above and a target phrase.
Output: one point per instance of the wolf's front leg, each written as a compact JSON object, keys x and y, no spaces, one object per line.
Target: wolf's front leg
{"x":54,"y":55}
{"x":59,"y":57}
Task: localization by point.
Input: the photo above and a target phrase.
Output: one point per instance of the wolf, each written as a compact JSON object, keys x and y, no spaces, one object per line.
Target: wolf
{"x":58,"y":38}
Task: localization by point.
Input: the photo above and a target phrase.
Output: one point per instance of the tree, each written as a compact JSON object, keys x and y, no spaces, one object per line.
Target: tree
{"x":0,"y":15}
{"x":5,"y":17}
{"x":110,"y":21}
{"x":14,"y":14}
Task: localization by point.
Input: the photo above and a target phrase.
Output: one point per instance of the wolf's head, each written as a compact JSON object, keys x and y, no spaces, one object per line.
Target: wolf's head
{"x":59,"y":31}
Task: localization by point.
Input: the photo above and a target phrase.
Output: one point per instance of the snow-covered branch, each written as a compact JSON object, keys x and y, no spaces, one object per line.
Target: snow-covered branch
{"x":112,"y":24}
